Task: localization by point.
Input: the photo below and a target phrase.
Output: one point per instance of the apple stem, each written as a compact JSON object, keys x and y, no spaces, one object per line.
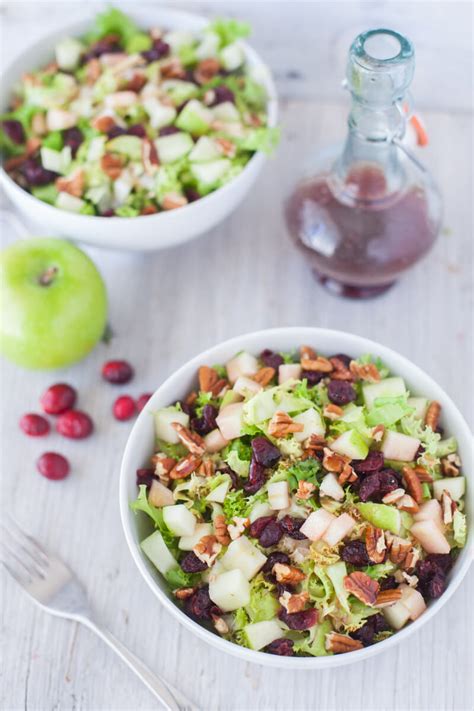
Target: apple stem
{"x":47,"y":277}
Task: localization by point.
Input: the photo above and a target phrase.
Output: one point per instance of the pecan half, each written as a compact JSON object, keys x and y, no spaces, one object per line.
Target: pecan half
{"x":191,"y":398}
{"x":385,"y":598}
{"x":264,"y":376}
{"x":398,"y":548}
{"x":163,"y":466}
{"x":74,"y":185}
{"x":287,"y":574}
{"x":341,"y":643}
{"x":375,"y":544}
{"x":206,"y":70}
{"x":207,"y":468}
{"x":184,"y":593}
{"x":103,"y":123}
{"x":93,"y":71}
{"x":340,"y":370}
{"x":207,"y":549}
{"x":305,"y":490}
{"x":238,"y":527}
{"x":432,"y":415}
{"x":407,"y":503}
{"x":281,"y":425}
{"x":193,"y":442}
{"x":378,"y":433}
{"x":365,"y":371}
{"x":185,"y":467}
{"x":393,"y":496}
{"x":148,"y":210}
{"x":315,"y":443}
{"x":451,"y":465}
{"x":333,"y":412}
{"x":112,"y":165}
{"x":448,"y":507}
{"x":149,"y":157}
{"x":362,"y":587}
{"x":171,"y":201}
{"x":172,"y":69}
{"x":226,"y":148}
{"x":136,"y":83}
{"x":413,"y":484}
{"x":422,"y":475}
{"x":319,"y":364}
{"x":333,"y":462}
{"x":411,"y":559}
{"x":307,"y":353}
{"x":347,"y":475}
{"x":207,"y":377}
{"x":220,"y":529}
{"x":293,"y":603}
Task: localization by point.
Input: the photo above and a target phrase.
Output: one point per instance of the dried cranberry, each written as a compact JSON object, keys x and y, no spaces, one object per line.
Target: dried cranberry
{"x":124,"y":408}
{"x":256,"y":477}
{"x":117,"y":372}
{"x":145,"y":476}
{"x":192,"y":564}
{"x":34,"y":425}
{"x":115,"y":131}
{"x":58,"y":398}
{"x":441,"y":560}
{"x":234,"y":477}
{"x":372,"y":463}
{"x":388,"y":583}
{"x":291,"y":526}
{"x":273,"y":558}
{"x":35,"y":174}
{"x":192,"y":194}
{"x":271,"y":534}
{"x":53,"y":466}
{"x":73,"y":138}
{"x":14,"y":131}
{"x":168,"y":131}
{"x":108,"y":213}
{"x":312,"y":376}
{"x":200,"y":605}
{"x":341,"y":392}
{"x":221,"y":94}
{"x":373,"y":626}
{"x":142,"y":401}
{"x":137,"y":130}
{"x":269,"y":358}
{"x":207,"y":422}
{"x":74,"y":424}
{"x":375,"y":486}
{"x":106,"y":45}
{"x":355,"y":553}
{"x":158,"y":50}
{"x":431,"y":574}
{"x":256,"y":528}
{"x":283,"y":647}
{"x":344,"y":358}
{"x":299,"y":620}
{"x":265,"y":452}
{"x":436,"y":586}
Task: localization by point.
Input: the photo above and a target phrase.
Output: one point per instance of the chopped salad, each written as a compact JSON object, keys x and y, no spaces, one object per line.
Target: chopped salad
{"x":302,"y":504}
{"x":127,"y":122}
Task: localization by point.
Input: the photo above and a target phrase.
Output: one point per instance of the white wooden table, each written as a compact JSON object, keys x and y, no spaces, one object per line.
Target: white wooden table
{"x":244,"y":275}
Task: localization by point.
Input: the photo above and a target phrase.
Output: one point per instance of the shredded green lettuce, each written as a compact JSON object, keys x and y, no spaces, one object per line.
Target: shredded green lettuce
{"x":112,"y":22}
{"x":229,"y":30}
{"x":263,"y":604}
{"x":388,"y":411}
{"x":383,"y":369}
{"x":141,"y":503}
{"x":381,"y":570}
{"x":336,"y":573}
{"x":177,"y":578}
{"x":459,"y":528}
{"x":304,"y":470}
{"x":176,"y":451}
{"x":263,"y":139}
{"x":315,"y":643}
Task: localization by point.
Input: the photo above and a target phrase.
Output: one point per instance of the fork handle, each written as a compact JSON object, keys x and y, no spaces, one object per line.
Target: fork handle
{"x":165,"y":693}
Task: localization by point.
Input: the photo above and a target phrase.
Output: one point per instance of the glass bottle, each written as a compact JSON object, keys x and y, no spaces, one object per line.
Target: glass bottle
{"x":366,"y":214}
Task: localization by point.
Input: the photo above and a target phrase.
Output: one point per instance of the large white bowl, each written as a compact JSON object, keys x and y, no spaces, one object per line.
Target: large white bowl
{"x":141,"y":442}
{"x":148,"y":232}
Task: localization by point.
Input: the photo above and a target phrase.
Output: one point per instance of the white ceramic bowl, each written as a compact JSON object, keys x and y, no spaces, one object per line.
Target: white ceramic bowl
{"x":143,"y":233}
{"x":140,"y":447}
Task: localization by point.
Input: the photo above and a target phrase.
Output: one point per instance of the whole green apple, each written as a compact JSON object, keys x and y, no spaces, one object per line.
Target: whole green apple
{"x":53,"y":303}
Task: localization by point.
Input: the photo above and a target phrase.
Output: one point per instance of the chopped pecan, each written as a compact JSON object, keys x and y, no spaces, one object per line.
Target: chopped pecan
{"x":347,"y":475}
{"x":103,"y":123}
{"x":411,"y":559}
{"x":32,"y":145}
{"x":38,"y":125}
{"x":393,"y":496}
{"x":305,"y":490}
{"x":207,"y":377}
{"x":407,"y":503}
{"x":375,"y":544}
{"x":93,"y":71}
{"x":238,"y":527}
{"x":149,"y":157}
{"x":112,"y":165}
{"x":191,"y":440}
{"x":401,"y":576}
{"x":185,"y":467}
{"x":385,"y":598}
{"x":398,"y":548}
{"x":226,"y":147}
{"x":171,"y":201}
{"x":206,"y":70}
{"x":136,"y":83}
{"x":362,"y":587}
{"x":264,"y":376}
{"x":163,"y":466}
{"x":184,"y":593}
{"x":207,"y":468}
{"x":148,"y":210}
{"x":319,"y":364}
{"x":364,"y":371}
{"x":207,"y":549}
{"x":191,"y":398}
{"x":287,"y":574}
{"x":220,"y":624}
{"x":451,"y":465}
{"x":333,"y":462}
{"x":341,"y":643}
{"x":315,"y":443}
{"x":448,"y":507}
{"x":74,"y":185}
{"x":281,"y":425}
{"x":422,"y":475}
{"x":340,"y":370}
{"x":413,"y":484}
{"x":293,"y":603}
{"x":333,"y":412}
{"x":307,"y":353}
{"x":378,"y":433}
{"x":432,"y":415}
{"x":220,"y":529}
{"x":172,"y":69}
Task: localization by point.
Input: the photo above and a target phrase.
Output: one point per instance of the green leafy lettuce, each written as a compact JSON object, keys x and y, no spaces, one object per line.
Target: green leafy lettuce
{"x":315,"y":643}
{"x":141,"y":503}
{"x":229,"y":30}
{"x":459,"y":528}
{"x":263,"y":604}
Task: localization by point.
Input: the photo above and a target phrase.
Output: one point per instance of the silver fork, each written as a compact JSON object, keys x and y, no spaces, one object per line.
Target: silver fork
{"x":53,"y":587}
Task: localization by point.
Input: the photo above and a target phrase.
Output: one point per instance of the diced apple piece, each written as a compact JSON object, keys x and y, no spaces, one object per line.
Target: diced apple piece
{"x":157,"y":551}
{"x":350,"y":444}
{"x":331,"y":487}
{"x":389,"y":387}
{"x":399,"y":447}
{"x":242,"y":364}
{"x":160,"y":495}
{"x":219,"y":493}
{"x":214,"y":441}
{"x":259,"y":634}
{"x":420,"y":405}
{"x":316,"y":524}
{"x":229,"y":398}
{"x":339,"y":529}
{"x":455,"y":486}
{"x":259,"y":510}
{"x":312,"y":422}
{"x":278,"y":495}
{"x":187,"y":543}
{"x":397,"y":615}
{"x":430,"y":537}
{"x":229,"y":420}
{"x":163,"y":420}
{"x":242,"y":554}
{"x":413,"y":601}
{"x":386,"y":517}
{"x":229,"y":590}
{"x":179,"y":520}
{"x":430,"y":511}
{"x":289,"y":371}
{"x":244,"y":386}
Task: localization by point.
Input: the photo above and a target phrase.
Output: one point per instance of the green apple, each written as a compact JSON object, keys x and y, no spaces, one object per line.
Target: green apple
{"x":53,"y":303}
{"x":386,"y":517}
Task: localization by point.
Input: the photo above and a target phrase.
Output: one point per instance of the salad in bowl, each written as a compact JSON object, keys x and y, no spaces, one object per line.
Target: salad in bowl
{"x":302,"y":503}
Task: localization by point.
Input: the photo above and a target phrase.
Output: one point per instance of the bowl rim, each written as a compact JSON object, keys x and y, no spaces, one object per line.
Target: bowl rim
{"x":200,"y":21}
{"x":301,"y":334}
